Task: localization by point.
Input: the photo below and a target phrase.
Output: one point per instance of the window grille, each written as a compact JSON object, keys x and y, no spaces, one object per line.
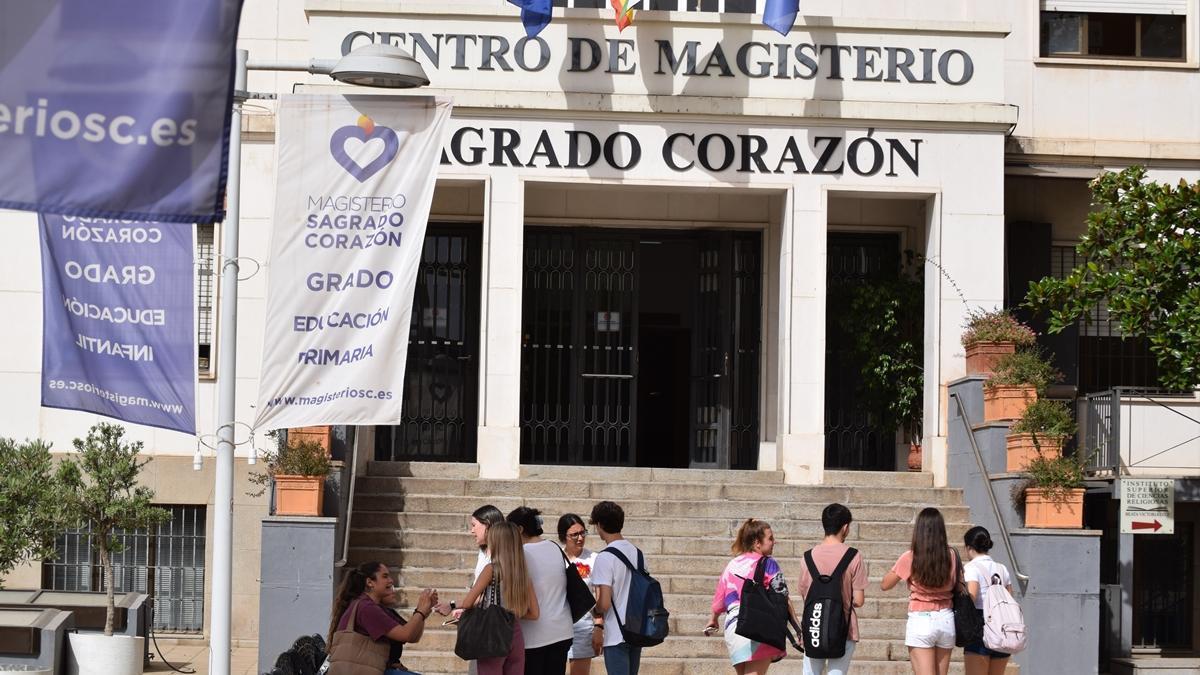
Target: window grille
{"x":205,"y":279}
{"x":168,"y":566}
{"x":1097,"y":323}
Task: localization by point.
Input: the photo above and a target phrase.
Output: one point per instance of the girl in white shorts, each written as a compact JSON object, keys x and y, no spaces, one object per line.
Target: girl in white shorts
{"x":928,"y":568}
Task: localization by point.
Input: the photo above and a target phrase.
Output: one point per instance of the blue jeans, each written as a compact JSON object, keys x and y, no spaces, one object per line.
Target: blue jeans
{"x":839,"y":666}
{"x":622,"y":659}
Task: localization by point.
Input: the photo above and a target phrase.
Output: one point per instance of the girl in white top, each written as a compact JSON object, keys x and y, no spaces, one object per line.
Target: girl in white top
{"x":585,"y":643}
{"x":481,"y":520}
{"x":978,"y":571}
{"x":548,"y":637}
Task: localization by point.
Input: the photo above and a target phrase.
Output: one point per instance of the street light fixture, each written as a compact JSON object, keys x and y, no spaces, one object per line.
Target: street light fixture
{"x":369,"y":65}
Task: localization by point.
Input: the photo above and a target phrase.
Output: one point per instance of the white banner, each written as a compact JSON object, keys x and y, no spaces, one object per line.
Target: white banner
{"x":355,"y":182}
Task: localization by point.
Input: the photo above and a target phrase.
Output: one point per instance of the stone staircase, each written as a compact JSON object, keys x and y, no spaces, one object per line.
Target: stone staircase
{"x":414,"y":517}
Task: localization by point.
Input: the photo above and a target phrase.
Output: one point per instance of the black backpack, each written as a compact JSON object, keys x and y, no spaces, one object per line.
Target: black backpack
{"x":825,"y":624}
{"x":645,"y":623}
{"x":763,"y":615}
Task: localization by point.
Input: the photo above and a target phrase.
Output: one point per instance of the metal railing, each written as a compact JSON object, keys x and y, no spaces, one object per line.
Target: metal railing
{"x":1104,"y":426}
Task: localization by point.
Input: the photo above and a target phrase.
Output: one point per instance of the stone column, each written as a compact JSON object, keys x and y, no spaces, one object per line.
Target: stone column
{"x":499,"y":445}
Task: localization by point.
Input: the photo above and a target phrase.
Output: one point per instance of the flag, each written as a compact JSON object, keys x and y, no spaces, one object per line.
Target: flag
{"x":624,"y":9}
{"x":781,"y":15}
{"x":535,"y":15}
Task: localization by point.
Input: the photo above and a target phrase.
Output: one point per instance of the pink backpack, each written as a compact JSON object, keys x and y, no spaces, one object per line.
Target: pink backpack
{"x":1003,"y":622}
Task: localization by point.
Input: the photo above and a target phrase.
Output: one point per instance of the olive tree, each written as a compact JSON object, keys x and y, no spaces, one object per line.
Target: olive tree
{"x":32,"y":503}
{"x":1141,"y":258}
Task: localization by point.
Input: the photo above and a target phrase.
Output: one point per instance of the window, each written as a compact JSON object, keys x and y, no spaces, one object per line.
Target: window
{"x":168,"y":565}
{"x":1116,"y":35}
{"x":205,"y":256}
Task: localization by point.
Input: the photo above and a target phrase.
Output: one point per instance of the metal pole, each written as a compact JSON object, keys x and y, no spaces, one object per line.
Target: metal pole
{"x":222,"y":565}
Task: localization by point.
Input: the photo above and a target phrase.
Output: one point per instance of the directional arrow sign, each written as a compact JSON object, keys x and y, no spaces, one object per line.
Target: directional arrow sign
{"x":1138,"y":525}
{"x":1147,"y":506}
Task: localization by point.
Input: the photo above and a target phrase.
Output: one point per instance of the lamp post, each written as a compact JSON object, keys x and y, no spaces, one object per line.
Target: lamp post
{"x":372,"y":66}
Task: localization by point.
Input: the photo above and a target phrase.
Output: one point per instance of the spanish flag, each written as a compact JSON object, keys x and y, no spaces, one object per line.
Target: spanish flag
{"x":624,"y":10}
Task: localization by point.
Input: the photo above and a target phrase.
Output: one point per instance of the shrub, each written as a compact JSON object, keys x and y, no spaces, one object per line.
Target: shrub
{"x":996,"y":325}
{"x":299,"y":458}
{"x":32,"y":503}
{"x":1047,"y":419}
{"x":1055,"y":476}
{"x":1024,"y":367}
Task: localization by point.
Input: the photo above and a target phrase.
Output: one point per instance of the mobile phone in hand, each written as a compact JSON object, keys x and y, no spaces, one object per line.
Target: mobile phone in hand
{"x":451,"y":621}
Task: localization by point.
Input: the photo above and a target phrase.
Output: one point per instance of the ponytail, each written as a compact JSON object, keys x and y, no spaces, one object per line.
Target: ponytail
{"x":750,"y":533}
{"x":354,"y":584}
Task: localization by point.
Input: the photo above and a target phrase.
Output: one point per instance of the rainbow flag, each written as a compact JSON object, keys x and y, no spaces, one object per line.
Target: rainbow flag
{"x":624,"y":10}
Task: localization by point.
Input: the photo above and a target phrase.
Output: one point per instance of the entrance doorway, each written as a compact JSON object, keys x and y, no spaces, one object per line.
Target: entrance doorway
{"x":640,"y":348}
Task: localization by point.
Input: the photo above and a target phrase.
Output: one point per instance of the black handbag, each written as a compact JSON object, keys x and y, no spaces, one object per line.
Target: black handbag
{"x":579,"y":596}
{"x":763,"y":615}
{"x":968,"y":622}
{"x":485,"y":632}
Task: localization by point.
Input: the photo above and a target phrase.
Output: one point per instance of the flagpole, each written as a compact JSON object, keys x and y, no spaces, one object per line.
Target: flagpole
{"x":220,"y":642}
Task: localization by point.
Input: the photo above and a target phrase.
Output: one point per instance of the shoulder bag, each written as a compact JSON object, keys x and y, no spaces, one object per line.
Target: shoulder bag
{"x":579,"y":597}
{"x":486,"y":631}
{"x":968,"y":623}
{"x":352,"y":653}
{"x":763,"y":615}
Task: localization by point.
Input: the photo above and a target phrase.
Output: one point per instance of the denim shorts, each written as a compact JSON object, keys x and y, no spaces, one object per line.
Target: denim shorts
{"x":978,"y":648}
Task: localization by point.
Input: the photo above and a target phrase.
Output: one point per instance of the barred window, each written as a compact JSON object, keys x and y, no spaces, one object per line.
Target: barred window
{"x":205,"y":296}
{"x":1097,"y":323}
{"x":719,"y":6}
{"x":168,"y":566}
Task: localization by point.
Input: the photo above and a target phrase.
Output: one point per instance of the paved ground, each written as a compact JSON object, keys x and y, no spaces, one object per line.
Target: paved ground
{"x":194,"y":658}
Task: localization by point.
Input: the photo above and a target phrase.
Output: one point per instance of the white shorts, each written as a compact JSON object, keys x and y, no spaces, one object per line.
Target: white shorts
{"x":930,"y":629}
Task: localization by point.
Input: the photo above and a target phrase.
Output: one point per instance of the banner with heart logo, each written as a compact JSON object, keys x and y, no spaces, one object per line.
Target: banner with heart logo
{"x":355,"y":181}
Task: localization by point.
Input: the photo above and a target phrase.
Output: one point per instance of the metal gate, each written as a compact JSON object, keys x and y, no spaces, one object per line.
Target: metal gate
{"x":1163,"y":586}
{"x":441,"y":376}
{"x":853,"y":438}
{"x":168,"y":566}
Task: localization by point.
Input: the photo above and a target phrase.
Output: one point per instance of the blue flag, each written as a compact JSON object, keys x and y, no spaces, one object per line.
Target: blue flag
{"x":781,"y":15}
{"x":118,"y":320}
{"x":535,"y":15}
{"x":116,"y":109}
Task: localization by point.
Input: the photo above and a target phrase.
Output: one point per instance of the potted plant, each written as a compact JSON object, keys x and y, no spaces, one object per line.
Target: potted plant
{"x":32,"y":503}
{"x":990,"y":335}
{"x":1053,"y":494}
{"x":297,"y":468}
{"x":1017,"y":381}
{"x":1043,"y":428}
{"x":101,"y":482}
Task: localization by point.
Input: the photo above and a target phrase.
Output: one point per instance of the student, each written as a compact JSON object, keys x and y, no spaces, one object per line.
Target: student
{"x":587,"y":644}
{"x":610,"y":577}
{"x":978,"y":659}
{"x":835,"y":520}
{"x":929,"y":567}
{"x":753,"y":542}
{"x":368,"y":594}
{"x":548,"y":637}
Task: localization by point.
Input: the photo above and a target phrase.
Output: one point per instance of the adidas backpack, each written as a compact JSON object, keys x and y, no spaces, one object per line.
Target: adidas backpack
{"x":645,"y":622}
{"x":825,"y":624}
{"x":1003,"y":622}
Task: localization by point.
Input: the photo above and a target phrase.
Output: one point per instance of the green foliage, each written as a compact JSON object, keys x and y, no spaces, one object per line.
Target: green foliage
{"x":1055,"y":476}
{"x":1141,"y":251}
{"x":885,"y":321}
{"x":996,"y":325}
{"x":297,"y":458}
{"x":32,"y":503}
{"x":101,"y":481}
{"x":1028,"y":367}
{"x":1045,"y":418}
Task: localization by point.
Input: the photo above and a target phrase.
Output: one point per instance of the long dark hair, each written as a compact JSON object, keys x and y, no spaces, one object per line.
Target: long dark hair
{"x":354,"y":584}
{"x":931,"y":552}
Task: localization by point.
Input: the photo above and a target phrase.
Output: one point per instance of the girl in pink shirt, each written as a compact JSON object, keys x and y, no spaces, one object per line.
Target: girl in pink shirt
{"x":928,"y":568}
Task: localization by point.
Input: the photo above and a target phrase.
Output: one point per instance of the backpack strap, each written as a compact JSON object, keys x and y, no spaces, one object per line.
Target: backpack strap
{"x":847,"y":558}
{"x":812,"y":566}
{"x":996,"y":579}
{"x":641,"y":566}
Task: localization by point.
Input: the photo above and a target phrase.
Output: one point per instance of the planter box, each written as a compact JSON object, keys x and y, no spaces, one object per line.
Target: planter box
{"x":982,"y":356}
{"x":321,"y":434}
{"x":1041,"y":512}
{"x":97,"y":654}
{"x":1004,"y":402}
{"x":299,"y":495}
{"x":1022,"y":450}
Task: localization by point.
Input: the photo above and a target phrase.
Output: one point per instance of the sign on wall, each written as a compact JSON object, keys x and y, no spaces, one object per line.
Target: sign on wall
{"x":1147,"y":506}
{"x":117,"y":109}
{"x":119,"y":333}
{"x":357,"y":179}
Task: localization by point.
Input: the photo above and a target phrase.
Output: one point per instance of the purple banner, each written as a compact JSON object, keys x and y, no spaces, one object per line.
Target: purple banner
{"x":116,"y":109}
{"x":118,"y":315}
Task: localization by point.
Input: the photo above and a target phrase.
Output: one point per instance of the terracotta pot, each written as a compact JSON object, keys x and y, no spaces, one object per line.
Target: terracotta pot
{"x":914,"y":456}
{"x":1022,"y":450}
{"x":982,"y":356}
{"x":1042,"y":512}
{"x":299,"y":495}
{"x":1005,"y":402}
{"x":320,"y":434}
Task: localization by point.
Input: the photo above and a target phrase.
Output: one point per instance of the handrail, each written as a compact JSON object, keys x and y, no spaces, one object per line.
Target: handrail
{"x":349,"y":503}
{"x":1012,"y":554}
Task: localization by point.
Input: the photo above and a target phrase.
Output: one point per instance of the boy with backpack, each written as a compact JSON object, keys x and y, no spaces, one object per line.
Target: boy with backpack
{"x":628,"y":599}
{"x":833,"y":581}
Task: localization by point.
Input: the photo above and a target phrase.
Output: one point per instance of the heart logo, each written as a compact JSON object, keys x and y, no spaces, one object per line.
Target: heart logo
{"x":364,"y":131}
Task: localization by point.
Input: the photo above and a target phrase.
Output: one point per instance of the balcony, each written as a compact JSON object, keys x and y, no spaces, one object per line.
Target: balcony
{"x":1140,"y":432}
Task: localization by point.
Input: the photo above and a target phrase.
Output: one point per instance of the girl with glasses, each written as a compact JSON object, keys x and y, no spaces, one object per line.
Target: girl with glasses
{"x":586,"y":642}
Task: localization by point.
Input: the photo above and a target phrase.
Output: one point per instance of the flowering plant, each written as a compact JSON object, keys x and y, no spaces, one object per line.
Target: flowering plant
{"x":997,"y":325}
